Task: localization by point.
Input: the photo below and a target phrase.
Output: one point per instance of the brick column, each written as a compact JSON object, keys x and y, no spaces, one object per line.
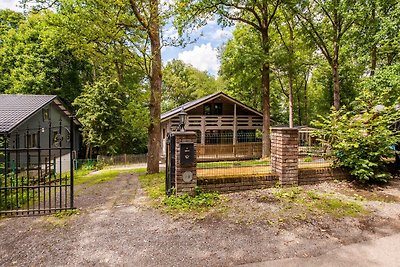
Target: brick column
{"x":183,"y":183}
{"x":284,"y":155}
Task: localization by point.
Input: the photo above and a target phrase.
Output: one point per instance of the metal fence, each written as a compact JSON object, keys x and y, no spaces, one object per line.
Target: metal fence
{"x":36,"y":175}
{"x":124,"y":159}
{"x":314,"y":157}
{"x":226,"y":146}
{"x":242,"y":168}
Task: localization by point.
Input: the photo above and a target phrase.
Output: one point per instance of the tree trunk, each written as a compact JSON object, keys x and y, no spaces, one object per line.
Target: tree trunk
{"x":305,"y":98}
{"x":87,"y":151}
{"x":153,"y":156}
{"x":374,"y":48}
{"x":265,"y":83}
{"x":291,"y":78}
{"x":290,"y":101}
{"x":335,"y":60}
{"x":335,"y":74}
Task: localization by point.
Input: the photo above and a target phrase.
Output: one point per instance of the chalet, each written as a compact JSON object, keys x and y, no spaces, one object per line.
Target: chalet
{"x":35,"y":134}
{"x":225,"y":127}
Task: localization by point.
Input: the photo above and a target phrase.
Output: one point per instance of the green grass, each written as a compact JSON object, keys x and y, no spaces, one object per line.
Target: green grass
{"x":313,"y":202}
{"x":154,"y":185}
{"x":83,"y":177}
{"x":233,"y":163}
{"x":201,"y":202}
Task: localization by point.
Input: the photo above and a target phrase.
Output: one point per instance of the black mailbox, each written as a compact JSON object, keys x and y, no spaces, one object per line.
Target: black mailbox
{"x":187,"y":153}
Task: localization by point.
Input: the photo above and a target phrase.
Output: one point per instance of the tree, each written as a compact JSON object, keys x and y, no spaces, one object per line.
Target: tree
{"x":9,"y":20}
{"x":148,"y":15}
{"x":183,"y":83}
{"x":135,"y":26}
{"x":257,"y":14}
{"x":99,"y":110}
{"x":327,"y":22}
{"x":35,"y":59}
{"x":241,"y":58}
{"x":292,"y":62}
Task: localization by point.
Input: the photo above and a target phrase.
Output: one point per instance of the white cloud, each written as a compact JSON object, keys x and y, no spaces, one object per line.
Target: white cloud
{"x":9,"y":4}
{"x":223,"y":34}
{"x":202,"y":57}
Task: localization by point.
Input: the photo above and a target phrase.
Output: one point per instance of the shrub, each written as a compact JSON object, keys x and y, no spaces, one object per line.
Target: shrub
{"x":361,"y":139}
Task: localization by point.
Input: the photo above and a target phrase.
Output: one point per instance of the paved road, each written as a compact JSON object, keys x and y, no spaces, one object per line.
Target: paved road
{"x":380,"y":252}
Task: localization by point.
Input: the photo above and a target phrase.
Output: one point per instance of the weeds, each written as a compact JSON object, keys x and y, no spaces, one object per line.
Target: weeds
{"x":199,"y":203}
{"x":311,"y":202}
{"x":154,"y":186}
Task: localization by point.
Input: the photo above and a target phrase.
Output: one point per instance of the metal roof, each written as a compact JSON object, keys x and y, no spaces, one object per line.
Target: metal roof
{"x":193,"y":104}
{"x":15,"y":109}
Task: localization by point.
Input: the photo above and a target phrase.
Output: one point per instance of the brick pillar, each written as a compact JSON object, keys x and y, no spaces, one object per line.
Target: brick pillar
{"x":284,"y":155}
{"x":185,"y":174}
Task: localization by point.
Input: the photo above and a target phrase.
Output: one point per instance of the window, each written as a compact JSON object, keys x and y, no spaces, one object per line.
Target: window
{"x":207,"y":109}
{"x":46,"y":114}
{"x":213,"y":109}
{"x":31,"y":141}
{"x":217,"y":109}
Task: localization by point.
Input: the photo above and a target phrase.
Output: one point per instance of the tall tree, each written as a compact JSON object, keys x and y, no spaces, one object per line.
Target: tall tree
{"x":259,"y":15}
{"x":327,"y":22}
{"x":148,"y":15}
{"x":135,"y":26}
{"x":35,"y":59}
{"x":183,"y":83}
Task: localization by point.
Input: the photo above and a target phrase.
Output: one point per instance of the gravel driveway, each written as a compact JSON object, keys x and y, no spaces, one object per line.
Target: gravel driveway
{"x":117,"y":226}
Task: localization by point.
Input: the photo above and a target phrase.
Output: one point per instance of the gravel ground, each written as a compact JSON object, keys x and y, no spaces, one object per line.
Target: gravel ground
{"x":117,"y":226}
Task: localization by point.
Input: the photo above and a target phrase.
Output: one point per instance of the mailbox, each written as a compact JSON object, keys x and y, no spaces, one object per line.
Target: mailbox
{"x":187,"y":154}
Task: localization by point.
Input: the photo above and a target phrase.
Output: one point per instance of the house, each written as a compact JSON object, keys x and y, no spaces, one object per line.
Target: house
{"x":37,"y":135}
{"x":226,"y":128}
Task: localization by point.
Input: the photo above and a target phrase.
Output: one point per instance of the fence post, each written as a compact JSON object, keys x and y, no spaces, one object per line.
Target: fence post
{"x":185,"y":163}
{"x":284,"y":155}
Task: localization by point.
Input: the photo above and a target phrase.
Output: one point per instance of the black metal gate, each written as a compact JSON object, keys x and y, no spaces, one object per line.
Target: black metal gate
{"x":170,"y":165}
{"x":36,"y":170}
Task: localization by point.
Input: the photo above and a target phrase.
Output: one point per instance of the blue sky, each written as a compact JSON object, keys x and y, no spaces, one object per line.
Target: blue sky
{"x":202,"y":54}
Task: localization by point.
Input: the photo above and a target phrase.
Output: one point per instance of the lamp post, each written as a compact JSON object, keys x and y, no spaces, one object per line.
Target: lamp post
{"x":182,"y":120}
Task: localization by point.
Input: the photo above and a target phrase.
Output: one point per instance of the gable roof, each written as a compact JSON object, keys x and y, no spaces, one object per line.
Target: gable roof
{"x":193,"y":104}
{"x":15,"y":109}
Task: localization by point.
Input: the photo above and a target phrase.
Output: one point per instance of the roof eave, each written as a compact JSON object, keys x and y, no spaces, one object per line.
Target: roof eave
{"x":212,"y":97}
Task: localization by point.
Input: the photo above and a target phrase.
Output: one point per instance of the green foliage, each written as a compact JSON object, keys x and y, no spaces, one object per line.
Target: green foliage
{"x":313,"y":203}
{"x":241,"y":59}
{"x":183,"y":83}
{"x":34,"y":59}
{"x":200,"y":202}
{"x":361,"y":139}
{"x":153,"y":184}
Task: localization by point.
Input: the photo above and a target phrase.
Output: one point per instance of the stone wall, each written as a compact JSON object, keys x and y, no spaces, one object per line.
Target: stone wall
{"x":284,"y":154}
{"x":181,"y":186}
{"x":232,"y":184}
{"x":314,"y":176}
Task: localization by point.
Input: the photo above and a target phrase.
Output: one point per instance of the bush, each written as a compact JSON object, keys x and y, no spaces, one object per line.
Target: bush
{"x":361,"y":139}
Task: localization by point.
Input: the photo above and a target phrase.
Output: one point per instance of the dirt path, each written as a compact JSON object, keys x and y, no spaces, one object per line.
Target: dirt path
{"x":116,"y":226}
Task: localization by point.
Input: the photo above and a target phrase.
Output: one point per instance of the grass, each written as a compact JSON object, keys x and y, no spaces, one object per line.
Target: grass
{"x":83,"y":177}
{"x":315,"y":203}
{"x":154,"y":185}
{"x":233,"y":163}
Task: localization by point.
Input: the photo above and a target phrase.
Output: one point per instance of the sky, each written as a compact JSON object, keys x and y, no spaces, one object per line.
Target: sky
{"x":202,"y":54}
